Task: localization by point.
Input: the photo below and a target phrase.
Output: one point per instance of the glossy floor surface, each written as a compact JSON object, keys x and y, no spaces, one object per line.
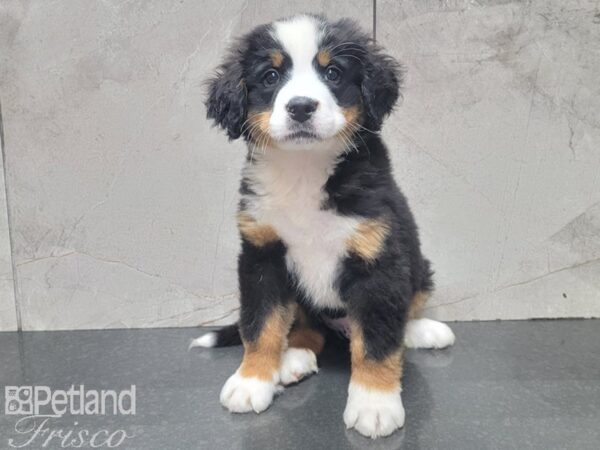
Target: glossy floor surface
{"x":516,"y":385}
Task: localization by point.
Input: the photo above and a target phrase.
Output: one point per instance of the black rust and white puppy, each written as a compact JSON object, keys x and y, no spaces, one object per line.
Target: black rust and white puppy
{"x":327,"y":236}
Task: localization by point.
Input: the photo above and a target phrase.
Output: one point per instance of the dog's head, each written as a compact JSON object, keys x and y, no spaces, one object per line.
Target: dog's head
{"x":301,"y":82}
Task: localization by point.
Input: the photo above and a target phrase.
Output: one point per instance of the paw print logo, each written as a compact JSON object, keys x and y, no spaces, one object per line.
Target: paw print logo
{"x":18,"y":400}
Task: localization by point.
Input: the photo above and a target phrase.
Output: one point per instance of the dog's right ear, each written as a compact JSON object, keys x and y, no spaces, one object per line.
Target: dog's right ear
{"x":227,"y":96}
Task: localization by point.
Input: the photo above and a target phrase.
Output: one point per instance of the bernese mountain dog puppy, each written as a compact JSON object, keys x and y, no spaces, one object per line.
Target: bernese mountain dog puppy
{"x":328,"y":239}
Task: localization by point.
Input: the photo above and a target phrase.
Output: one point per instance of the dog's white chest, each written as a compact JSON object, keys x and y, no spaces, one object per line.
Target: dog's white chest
{"x":290,"y":198}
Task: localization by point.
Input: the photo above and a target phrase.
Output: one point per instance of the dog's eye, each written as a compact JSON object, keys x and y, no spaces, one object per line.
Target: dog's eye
{"x":333,"y":74}
{"x":271,"y":77}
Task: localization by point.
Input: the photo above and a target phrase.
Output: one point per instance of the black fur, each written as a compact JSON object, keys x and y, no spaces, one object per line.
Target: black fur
{"x":263,"y":280}
{"x":380,"y":76}
{"x":228,"y":336}
{"x":230,"y":90}
{"x":378,"y":294}
{"x":226,"y":103}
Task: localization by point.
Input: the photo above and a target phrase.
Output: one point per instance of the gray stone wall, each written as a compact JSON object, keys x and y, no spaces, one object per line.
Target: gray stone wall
{"x":121,"y":196}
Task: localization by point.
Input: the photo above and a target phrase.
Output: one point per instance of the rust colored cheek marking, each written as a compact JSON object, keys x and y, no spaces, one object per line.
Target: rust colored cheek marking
{"x":324,"y":58}
{"x":256,"y":233}
{"x":262,"y":357}
{"x":368,"y":239}
{"x":257,"y":126}
{"x":260,"y":119}
{"x":351,"y":114}
{"x":382,"y":375}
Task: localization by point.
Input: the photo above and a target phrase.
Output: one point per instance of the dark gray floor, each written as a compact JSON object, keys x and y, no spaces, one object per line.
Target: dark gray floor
{"x":504,"y":385}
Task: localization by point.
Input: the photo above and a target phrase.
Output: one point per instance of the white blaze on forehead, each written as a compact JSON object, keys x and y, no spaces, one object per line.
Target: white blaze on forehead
{"x":299,"y":37}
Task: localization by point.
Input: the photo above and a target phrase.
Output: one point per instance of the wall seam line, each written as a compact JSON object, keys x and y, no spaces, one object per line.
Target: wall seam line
{"x":375,"y":20}
{"x":9,"y":220}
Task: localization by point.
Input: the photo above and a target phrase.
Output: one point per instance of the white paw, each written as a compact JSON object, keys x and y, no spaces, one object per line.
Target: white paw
{"x":296,"y":364}
{"x":427,"y":333}
{"x":243,"y":394}
{"x":373,"y":413}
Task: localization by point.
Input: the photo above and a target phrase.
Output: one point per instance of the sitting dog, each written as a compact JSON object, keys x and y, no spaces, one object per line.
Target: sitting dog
{"x":328,"y":239}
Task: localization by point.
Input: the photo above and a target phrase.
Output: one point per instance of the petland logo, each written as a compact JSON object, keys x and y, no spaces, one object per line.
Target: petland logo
{"x":41,"y":406}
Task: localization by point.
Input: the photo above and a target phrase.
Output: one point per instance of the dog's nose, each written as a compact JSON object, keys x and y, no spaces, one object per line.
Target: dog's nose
{"x":301,"y":108}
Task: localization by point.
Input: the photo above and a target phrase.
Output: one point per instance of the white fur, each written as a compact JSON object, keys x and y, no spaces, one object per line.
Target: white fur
{"x":290,"y":197}
{"x":373,"y":413}
{"x":244,"y":394}
{"x":427,"y":333}
{"x":300,"y":38}
{"x":296,"y":364}
{"x":207,"y":340}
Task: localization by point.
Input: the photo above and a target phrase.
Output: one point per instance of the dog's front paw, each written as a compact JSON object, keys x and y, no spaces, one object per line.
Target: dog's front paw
{"x":373,"y":413}
{"x":244,"y":394}
{"x":296,"y":364}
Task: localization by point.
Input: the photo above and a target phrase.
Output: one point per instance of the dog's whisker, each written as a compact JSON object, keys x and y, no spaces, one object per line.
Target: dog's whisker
{"x":263,"y":142}
{"x":347,"y":141}
{"x":353,"y":126}
{"x":361,"y":127}
{"x":249,"y":128}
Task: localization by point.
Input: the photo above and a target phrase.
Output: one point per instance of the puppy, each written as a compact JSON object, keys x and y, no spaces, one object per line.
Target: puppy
{"x":328,"y":239}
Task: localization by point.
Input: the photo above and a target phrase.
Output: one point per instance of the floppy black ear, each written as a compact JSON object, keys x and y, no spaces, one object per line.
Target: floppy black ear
{"x":226,"y":102}
{"x":380,"y":86}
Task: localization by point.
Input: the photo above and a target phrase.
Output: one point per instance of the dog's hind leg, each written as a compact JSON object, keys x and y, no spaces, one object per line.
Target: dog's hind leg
{"x":305,"y":342}
{"x":425,"y":333}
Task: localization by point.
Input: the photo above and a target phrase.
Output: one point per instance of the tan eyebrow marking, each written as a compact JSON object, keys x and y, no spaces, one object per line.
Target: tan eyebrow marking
{"x":324,"y":58}
{"x":276,"y":58}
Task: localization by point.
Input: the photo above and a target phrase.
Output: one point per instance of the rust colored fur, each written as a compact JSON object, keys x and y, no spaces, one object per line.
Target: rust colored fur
{"x":369,"y":238}
{"x":304,"y":335}
{"x":383,"y":375}
{"x":256,"y":233}
{"x":262,"y":357}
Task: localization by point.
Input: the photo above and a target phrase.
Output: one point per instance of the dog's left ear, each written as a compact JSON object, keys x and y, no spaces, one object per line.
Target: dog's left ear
{"x":227,"y":97}
{"x":380,"y":86}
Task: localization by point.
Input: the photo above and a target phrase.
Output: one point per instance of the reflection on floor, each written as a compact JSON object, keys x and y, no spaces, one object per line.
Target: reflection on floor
{"x":504,"y":385}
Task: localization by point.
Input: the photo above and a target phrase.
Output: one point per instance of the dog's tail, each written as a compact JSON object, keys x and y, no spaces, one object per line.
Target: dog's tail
{"x":224,"y":337}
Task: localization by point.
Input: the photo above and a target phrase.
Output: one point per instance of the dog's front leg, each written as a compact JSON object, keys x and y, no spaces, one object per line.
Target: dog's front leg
{"x":267,"y":312}
{"x":377,"y":312}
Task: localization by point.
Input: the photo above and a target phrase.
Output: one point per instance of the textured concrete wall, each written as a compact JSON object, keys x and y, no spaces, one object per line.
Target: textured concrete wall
{"x":122,"y":198}
{"x":8,"y":310}
{"x":498,"y":147}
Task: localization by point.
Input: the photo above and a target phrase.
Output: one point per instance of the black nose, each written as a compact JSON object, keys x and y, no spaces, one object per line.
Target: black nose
{"x":301,"y":108}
